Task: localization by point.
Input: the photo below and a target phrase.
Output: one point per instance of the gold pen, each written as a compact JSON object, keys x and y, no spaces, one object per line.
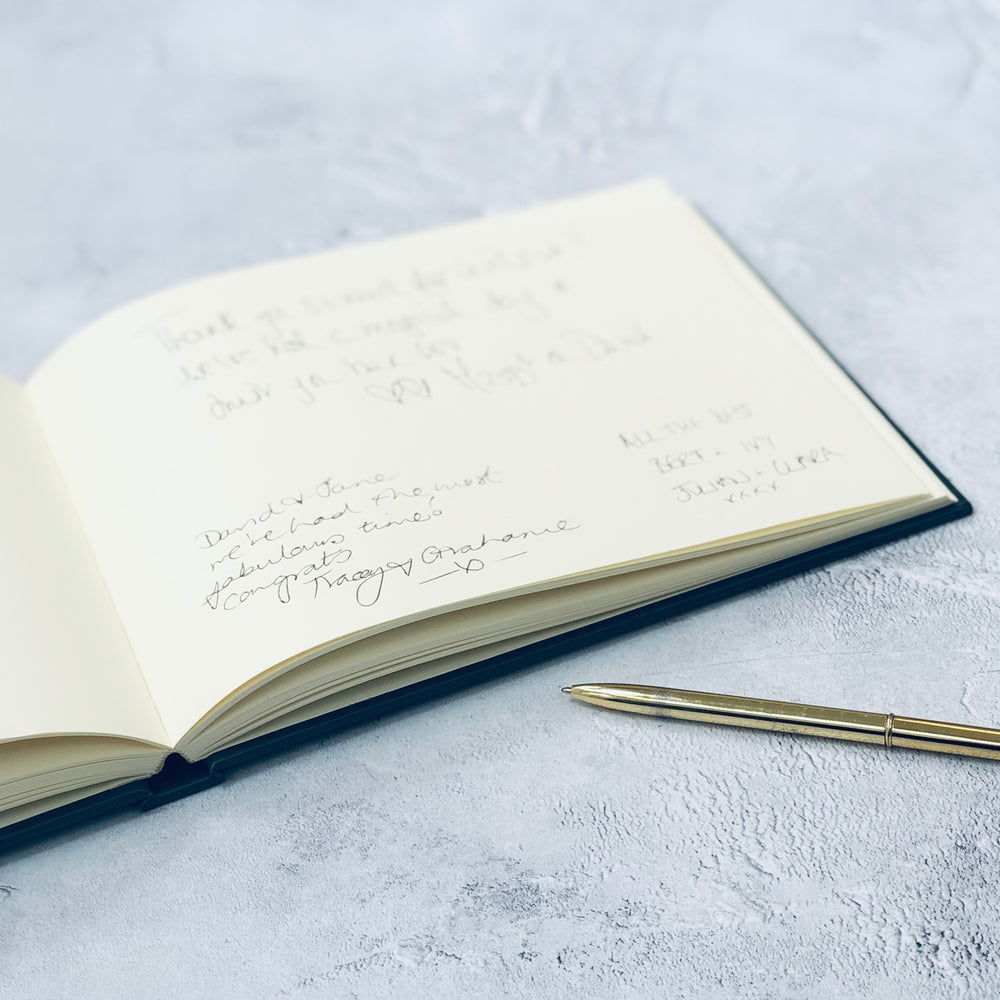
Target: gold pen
{"x":787,"y":717}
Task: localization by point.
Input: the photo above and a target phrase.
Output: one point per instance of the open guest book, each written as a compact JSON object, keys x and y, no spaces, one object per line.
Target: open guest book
{"x":247,"y":510}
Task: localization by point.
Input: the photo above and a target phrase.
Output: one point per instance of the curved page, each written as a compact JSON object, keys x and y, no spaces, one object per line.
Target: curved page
{"x":273,"y":459}
{"x":65,"y":663}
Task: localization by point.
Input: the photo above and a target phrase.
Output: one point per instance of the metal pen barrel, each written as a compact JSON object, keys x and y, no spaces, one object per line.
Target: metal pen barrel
{"x":789,"y":717}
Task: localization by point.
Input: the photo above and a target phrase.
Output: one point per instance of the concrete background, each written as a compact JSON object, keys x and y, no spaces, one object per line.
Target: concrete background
{"x":508,"y":842}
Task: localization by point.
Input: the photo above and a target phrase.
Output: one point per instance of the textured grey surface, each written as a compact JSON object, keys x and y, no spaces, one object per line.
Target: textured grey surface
{"x":508,"y":841}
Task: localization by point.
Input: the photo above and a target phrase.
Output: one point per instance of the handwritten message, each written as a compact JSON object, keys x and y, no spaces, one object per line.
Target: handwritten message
{"x":400,"y":339}
{"x":722,"y":454}
{"x":312,"y":543}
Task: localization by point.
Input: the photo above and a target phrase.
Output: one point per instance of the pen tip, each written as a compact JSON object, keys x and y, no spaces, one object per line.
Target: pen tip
{"x":566,"y":690}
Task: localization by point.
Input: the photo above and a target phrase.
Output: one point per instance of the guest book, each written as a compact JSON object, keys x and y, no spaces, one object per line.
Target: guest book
{"x":262,"y":505}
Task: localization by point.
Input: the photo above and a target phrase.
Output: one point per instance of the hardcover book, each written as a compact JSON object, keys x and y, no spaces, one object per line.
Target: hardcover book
{"x":251,"y":508}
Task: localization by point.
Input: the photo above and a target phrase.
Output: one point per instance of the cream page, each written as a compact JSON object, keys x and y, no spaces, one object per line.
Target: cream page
{"x":271,"y":459}
{"x":65,"y":663}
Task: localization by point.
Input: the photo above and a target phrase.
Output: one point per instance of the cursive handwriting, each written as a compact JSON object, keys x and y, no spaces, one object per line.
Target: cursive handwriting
{"x":312,"y":541}
{"x":496,"y":319}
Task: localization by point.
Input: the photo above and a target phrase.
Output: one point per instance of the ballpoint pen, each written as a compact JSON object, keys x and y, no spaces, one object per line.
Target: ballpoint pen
{"x":787,"y":717}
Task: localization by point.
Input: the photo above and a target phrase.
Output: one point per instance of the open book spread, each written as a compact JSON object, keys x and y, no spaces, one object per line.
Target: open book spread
{"x":259,"y":497}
